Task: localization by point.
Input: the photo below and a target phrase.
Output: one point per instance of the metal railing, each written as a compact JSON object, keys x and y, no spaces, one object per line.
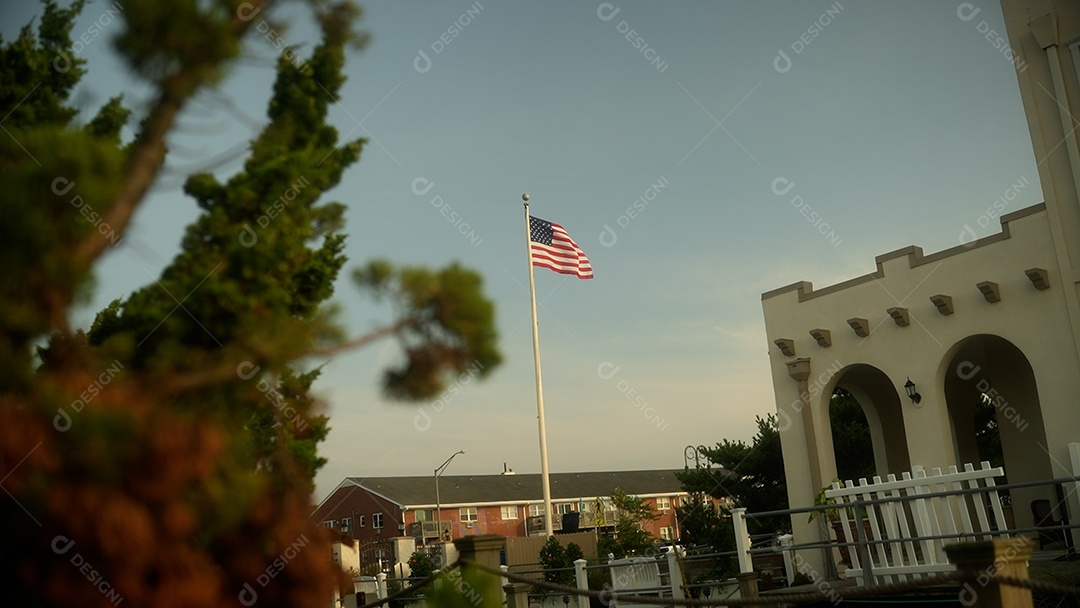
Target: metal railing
{"x":863,"y":544}
{"x":429,"y":529}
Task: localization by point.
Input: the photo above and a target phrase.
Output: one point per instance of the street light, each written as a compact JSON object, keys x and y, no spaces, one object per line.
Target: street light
{"x":438,"y":502}
{"x":696,"y":454}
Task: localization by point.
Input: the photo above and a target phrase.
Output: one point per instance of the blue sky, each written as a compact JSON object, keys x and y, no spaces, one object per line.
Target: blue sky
{"x":700,"y":154}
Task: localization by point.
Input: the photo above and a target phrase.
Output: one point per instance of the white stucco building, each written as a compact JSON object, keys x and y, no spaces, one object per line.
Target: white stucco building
{"x":997,"y":316}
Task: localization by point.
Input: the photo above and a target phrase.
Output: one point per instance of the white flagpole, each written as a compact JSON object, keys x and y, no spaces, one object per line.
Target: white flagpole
{"x":548,"y":528}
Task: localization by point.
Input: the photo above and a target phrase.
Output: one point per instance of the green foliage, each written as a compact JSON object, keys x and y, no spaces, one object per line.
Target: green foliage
{"x":42,"y":65}
{"x":752,"y":475}
{"x":702,"y":525}
{"x":421,"y":565}
{"x":446,"y":326}
{"x":820,"y":500}
{"x":852,"y":443}
{"x":629,"y":537}
{"x":184,"y":417}
{"x":554,"y":559}
{"x":987,"y":433}
{"x":466,"y":588}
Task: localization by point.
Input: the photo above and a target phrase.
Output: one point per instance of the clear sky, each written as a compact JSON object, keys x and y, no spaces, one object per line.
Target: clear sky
{"x":700,"y":153}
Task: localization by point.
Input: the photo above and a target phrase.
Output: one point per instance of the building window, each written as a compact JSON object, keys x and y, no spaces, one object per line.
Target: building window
{"x":536,"y":510}
{"x":663,"y":503}
{"x":376,"y":520}
{"x":467,"y":513}
{"x":566,"y":507}
{"x":360,"y":521}
{"x":330,"y":523}
{"x":509,"y":512}
{"x":346,"y":524}
{"x":423,"y":515}
{"x":665,"y":533}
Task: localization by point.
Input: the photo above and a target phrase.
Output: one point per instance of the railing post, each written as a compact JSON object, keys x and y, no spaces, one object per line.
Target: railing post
{"x":985,"y":560}
{"x":517,"y":595}
{"x":1074,"y":502}
{"x":786,"y":541}
{"x":581,"y":577}
{"x":482,"y":550}
{"x":380,"y":585}
{"x":503,"y":582}
{"x":742,"y":539}
{"x":748,"y":589}
{"x":864,"y":553}
{"x":675,"y":574}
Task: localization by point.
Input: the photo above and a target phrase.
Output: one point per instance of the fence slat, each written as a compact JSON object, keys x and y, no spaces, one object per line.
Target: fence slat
{"x":949,"y":514}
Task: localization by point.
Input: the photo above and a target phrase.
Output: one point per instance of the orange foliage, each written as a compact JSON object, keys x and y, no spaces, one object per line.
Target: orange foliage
{"x":137,"y":505}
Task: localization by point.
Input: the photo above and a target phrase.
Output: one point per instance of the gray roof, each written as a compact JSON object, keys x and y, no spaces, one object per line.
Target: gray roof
{"x":479,"y":489}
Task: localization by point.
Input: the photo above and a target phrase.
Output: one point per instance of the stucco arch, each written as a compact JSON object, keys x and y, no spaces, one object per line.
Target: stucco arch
{"x":877,"y":396}
{"x":986,"y":364}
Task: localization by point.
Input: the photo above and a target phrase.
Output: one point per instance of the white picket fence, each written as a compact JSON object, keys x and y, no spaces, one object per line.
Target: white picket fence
{"x":948,"y":515}
{"x":907,"y":532}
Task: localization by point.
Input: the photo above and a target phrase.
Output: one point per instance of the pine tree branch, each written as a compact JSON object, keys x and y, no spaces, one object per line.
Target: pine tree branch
{"x":148,"y":154}
{"x":367,"y":338}
{"x":228,"y":371}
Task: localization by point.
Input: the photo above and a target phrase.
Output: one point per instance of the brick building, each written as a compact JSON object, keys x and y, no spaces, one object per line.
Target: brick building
{"x":376,"y":509}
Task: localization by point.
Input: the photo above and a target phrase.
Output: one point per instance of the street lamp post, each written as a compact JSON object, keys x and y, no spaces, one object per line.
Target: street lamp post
{"x":438,"y":503}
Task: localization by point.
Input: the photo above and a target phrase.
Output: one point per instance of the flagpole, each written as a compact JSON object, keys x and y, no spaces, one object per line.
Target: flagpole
{"x":548,"y":528}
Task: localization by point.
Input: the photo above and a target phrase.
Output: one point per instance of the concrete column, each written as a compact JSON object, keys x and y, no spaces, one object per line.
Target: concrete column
{"x":799,"y":370}
{"x":482,"y":550}
{"x":517,"y":595}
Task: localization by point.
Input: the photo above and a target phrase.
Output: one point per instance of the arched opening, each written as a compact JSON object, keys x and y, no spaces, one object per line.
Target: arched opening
{"x":851,"y":437}
{"x":989,"y":378}
{"x":875,"y":394}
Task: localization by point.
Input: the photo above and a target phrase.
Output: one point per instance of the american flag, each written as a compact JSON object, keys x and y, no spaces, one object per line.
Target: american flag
{"x":553,"y":248}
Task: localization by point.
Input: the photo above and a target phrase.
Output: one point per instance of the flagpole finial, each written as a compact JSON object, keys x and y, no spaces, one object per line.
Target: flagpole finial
{"x":525,"y":197}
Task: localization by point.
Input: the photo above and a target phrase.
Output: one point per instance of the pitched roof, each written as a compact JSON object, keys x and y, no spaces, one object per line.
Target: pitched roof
{"x":480,"y":489}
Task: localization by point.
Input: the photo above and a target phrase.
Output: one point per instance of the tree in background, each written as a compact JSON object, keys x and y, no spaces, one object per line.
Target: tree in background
{"x":171,"y":448}
{"x":628,"y":538}
{"x":987,"y":432}
{"x":852,"y":444}
{"x":702,"y":524}
{"x":554,"y":559}
{"x":751,"y":475}
{"x":421,"y":565}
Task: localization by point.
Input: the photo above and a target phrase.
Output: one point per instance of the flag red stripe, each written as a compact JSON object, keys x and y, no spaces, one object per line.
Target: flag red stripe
{"x":563,"y":255}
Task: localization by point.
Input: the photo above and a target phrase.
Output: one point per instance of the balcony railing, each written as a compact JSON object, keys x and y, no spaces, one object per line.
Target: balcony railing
{"x":535,"y":524}
{"x":429,"y":529}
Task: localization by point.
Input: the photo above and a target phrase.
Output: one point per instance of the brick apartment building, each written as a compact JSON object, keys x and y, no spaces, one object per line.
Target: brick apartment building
{"x":376,"y":509}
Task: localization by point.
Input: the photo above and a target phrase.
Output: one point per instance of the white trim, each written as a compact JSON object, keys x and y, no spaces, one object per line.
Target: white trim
{"x":376,"y":494}
{"x":526,"y":503}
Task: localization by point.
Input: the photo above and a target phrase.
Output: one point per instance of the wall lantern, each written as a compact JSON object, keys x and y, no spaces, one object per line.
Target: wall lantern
{"x":909,"y":386}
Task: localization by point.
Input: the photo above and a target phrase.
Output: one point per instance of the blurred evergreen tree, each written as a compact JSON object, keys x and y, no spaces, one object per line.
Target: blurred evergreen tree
{"x":172,"y":446}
